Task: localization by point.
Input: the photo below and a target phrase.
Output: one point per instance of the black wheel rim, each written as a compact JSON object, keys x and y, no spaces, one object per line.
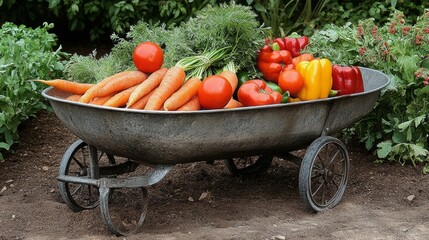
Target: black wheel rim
{"x":81,"y":196}
{"x":329,"y":173}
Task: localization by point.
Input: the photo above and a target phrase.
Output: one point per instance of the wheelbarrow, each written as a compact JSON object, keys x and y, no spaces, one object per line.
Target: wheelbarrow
{"x":245,"y":138}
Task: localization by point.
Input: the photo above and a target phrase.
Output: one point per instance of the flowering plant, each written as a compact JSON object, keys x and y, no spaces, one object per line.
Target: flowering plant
{"x":399,"y":125}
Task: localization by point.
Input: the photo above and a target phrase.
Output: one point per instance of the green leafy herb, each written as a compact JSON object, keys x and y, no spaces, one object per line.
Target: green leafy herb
{"x":25,"y":54}
{"x":229,"y":26}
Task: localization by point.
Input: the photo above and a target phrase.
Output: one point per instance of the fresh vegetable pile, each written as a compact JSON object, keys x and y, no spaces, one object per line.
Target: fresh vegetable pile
{"x":206,"y":77}
{"x":182,"y":87}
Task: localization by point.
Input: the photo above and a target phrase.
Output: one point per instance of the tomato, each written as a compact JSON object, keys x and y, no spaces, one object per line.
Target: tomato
{"x":291,"y":81}
{"x":215,"y":92}
{"x":148,"y":57}
{"x":256,"y":93}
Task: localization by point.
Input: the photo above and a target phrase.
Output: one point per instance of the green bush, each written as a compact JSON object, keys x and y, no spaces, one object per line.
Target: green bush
{"x":285,"y":17}
{"x":25,"y":54}
{"x":399,"y":125}
{"x":102,"y":18}
{"x":339,"y":12}
{"x":99,"y":18}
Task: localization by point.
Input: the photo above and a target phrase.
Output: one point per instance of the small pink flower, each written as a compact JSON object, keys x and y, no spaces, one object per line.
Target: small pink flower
{"x":419,"y":39}
{"x":418,"y":74}
{"x":406,"y":30}
{"x":362,"y":51}
{"x":359,"y":31}
{"x":374,"y":31}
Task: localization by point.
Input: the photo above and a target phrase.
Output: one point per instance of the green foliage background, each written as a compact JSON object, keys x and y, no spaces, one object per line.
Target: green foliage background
{"x":25,"y":54}
{"x":99,"y":19}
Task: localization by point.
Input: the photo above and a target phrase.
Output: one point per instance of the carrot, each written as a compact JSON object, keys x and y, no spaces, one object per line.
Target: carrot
{"x":139,"y":104}
{"x":67,"y":86}
{"x":183,"y":95}
{"x":233,"y":104}
{"x":101,"y":100}
{"x":74,"y":97}
{"x":231,"y":77}
{"x":229,"y":73}
{"x":146,"y":86}
{"x":120,"y":99}
{"x":171,"y":82}
{"x":191,"y":105}
{"x":113,"y":84}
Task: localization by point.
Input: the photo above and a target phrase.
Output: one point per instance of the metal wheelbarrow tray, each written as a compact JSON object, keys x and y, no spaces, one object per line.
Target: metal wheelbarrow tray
{"x":248,"y":135}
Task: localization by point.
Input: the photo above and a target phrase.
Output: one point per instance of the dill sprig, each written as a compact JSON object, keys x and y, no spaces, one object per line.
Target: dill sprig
{"x":225,"y":25}
{"x":200,"y":63}
{"x":89,"y":69}
{"x":213,"y":28}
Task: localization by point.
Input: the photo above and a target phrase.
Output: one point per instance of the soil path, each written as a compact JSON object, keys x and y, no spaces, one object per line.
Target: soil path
{"x":382,"y":201}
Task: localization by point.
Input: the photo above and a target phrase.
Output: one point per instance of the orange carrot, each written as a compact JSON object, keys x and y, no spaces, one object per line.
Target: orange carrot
{"x":101,"y":100}
{"x":74,"y":97}
{"x":231,"y":77}
{"x":183,"y":95}
{"x":120,"y":99}
{"x":142,"y":101}
{"x":146,"y":86}
{"x":191,"y":105}
{"x":67,"y":86}
{"x":233,"y":104}
{"x":171,"y":82}
{"x":113,"y":84}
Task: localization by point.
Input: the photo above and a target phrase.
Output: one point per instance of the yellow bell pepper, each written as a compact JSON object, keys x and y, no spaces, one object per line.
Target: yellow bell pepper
{"x":317,"y":76}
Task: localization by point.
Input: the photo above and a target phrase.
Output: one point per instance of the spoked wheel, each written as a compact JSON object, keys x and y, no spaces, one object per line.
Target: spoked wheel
{"x":75,"y":162}
{"x":249,"y":165}
{"x":323,"y":174}
{"x":122,"y":216}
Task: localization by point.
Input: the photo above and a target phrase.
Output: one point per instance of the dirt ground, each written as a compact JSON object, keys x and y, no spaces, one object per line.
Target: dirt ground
{"x":382,"y":201}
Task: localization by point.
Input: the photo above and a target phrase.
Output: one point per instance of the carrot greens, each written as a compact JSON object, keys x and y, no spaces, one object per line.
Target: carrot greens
{"x":225,"y":26}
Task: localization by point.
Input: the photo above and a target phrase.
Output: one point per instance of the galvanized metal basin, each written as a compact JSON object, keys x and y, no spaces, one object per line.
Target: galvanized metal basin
{"x":161,"y":137}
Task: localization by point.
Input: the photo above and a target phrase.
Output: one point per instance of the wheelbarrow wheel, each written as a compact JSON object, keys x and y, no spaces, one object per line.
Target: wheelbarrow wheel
{"x":121,"y":216}
{"x":323,"y":173}
{"x":75,"y":162}
{"x":249,"y":165}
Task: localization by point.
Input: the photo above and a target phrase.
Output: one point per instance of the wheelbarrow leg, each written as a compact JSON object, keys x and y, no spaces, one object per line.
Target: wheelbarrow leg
{"x":94,"y":168}
{"x":117,"y":220}
{"x":120,"y":229}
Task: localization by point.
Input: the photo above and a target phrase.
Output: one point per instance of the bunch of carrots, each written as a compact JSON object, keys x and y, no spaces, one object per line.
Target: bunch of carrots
{"x":166,"y":89}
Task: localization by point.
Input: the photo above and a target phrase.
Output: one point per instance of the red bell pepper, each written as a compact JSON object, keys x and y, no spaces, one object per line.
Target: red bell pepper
{"x":303,"y":42}
{"x":295,"y":45}
{"x":347,"y":80}
{"x":256,"y":93}
{"x":271,"y":61}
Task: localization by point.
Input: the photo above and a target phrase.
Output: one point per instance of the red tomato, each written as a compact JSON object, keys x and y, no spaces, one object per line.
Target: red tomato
{"x":215,"y":92}
{"x":291,"y":81}
{"x":148,"y":57}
